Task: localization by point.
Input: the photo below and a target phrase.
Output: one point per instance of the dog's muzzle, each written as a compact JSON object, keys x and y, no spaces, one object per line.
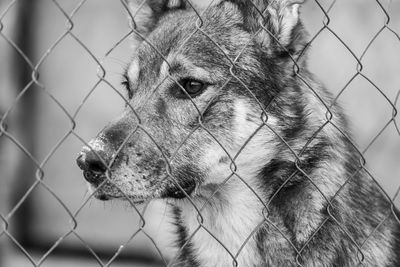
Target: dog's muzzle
{"x":93,"y":162}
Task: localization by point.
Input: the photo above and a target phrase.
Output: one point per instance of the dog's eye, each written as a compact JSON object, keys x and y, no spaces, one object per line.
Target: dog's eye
{"x":192,"y":87}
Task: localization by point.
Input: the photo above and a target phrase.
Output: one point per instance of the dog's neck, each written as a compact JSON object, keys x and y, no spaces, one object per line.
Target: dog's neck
{"x":235,"y":221}
{"x":220,"y":223}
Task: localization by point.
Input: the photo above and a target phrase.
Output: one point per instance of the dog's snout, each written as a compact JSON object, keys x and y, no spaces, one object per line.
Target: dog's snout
{"x":93,"y":164}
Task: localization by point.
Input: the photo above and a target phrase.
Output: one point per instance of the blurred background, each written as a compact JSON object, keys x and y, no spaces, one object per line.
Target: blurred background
{"x":69,"y":98}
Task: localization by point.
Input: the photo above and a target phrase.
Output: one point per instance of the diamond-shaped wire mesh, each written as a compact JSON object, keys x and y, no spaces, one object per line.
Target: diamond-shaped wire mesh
{"x":62,"y":63}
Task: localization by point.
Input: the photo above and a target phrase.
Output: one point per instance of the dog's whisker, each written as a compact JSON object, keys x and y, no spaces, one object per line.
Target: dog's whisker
{"x":116,"y":60}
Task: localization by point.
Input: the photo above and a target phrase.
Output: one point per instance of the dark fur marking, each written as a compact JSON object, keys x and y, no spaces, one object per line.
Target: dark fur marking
{"x":187,"y":254}
{"x":215,"y":117}
{"x":297,"y":122}
{"x":161,"y":106}
{"x":260,"y":237}
{"x":187,"y":177}
{"x":224,"y":159}
{"x":278,"y":171}
{"x":116,"y":133}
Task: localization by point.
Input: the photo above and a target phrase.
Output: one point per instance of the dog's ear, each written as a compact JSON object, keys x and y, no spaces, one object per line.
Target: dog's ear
{"x":144,"y":14}
{"x":275,"y":23}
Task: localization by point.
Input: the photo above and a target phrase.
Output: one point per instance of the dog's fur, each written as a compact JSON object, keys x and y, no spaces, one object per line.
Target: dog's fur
{"x":258,"y":166}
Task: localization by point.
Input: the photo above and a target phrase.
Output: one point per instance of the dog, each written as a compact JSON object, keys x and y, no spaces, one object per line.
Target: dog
{"x":225,"y":122}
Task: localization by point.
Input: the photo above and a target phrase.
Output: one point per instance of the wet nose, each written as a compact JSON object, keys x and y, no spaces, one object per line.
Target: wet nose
{"x":93,"y":165}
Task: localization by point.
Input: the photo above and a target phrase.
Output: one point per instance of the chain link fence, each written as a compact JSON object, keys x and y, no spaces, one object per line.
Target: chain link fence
{"x":60,"y":75}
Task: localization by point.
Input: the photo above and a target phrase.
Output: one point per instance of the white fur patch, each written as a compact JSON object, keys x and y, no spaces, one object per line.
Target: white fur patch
{"x":229,"y":221}
{"x":133,"y":71}
{"x":256,"y":143}
{"x":96,"y":144}
{"x":290,"y":18}
{"x":251,"y":146}
{"x":174,"y":3}
{"x":164,"y":69}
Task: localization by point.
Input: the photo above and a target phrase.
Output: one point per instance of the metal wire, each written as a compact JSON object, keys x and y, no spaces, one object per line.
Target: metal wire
{"x":39,"y":165}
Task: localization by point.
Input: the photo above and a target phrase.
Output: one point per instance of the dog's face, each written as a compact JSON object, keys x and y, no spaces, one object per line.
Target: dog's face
{"x":196,"y":110}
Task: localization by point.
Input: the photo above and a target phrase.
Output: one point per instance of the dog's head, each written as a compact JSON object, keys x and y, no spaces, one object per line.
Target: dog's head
{"x":199,"y":91}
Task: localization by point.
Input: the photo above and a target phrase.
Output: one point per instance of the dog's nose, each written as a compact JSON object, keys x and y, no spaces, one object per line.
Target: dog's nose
{"x":91,"y":161}
{"x":93,"y":165}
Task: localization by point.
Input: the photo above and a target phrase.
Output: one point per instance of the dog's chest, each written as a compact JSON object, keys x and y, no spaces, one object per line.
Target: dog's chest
{"x":223,"y":238}
{"x":218,"y":249}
